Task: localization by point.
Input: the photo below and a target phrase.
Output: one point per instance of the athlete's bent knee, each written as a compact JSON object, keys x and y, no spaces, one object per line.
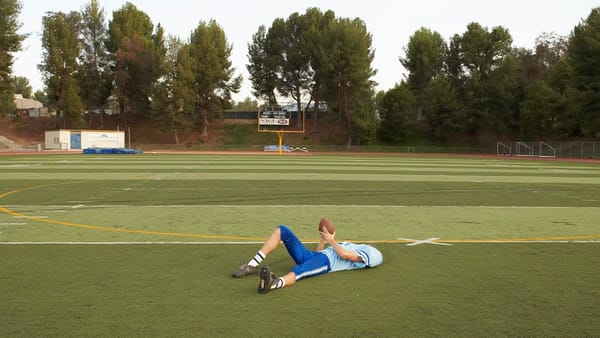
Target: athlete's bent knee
{"x":284,"y":232}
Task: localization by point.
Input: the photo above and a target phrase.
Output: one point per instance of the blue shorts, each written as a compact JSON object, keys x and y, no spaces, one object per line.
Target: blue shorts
{"x":309,"y":263}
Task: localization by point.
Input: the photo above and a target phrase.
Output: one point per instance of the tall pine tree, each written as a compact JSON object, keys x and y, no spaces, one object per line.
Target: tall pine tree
{"x":10,"y":42}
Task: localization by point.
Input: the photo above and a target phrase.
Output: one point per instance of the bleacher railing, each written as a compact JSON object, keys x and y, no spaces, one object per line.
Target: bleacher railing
{"x":569,"y":149}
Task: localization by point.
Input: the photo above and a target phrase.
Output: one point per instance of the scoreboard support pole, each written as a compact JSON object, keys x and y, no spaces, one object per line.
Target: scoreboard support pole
{"x":280,"y":138}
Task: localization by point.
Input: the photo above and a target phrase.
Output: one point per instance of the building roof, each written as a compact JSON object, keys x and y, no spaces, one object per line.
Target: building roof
{"x":23,"y":103}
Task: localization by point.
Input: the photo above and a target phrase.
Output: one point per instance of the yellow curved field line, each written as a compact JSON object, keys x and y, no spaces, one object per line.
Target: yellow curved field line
{"x":105,"y":228}
{"x":177,"y":234}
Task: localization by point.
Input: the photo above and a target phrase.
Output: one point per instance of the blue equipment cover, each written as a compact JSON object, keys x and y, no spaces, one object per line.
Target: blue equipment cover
{"x":111,"y":151}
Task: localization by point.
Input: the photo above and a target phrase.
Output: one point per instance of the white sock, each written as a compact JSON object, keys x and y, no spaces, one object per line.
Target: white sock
{"x":280,"y":283}
{"x":257,"y":259}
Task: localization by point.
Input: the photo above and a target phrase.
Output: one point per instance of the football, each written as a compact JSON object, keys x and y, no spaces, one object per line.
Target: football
{"x":324,"y":223}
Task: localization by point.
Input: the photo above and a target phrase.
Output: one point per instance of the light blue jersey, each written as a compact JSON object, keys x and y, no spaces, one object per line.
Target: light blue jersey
{"x":313,"y":263}
{"x":370,"y":256}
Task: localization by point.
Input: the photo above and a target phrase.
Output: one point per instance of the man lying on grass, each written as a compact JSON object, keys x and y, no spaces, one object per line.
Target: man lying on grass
{"x":336,"y":257}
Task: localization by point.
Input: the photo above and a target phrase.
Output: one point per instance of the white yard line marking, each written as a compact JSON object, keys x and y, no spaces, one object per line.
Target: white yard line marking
{"x":423,"y":241}
{"x":353,"y":206}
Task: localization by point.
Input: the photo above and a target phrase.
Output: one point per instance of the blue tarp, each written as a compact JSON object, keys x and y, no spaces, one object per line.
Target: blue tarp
{"x":272,"y":147}
{"x":111,"y":151}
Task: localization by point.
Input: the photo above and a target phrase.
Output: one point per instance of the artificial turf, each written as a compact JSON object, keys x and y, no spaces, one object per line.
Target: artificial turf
{"x":539,"y":289}
{"x":484,"y":284}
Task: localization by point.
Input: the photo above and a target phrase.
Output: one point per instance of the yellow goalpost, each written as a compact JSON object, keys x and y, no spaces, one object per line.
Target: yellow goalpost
{"x":275,"y":119}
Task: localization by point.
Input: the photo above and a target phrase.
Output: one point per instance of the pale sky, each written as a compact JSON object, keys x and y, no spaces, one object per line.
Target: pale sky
{"x":390,"y":22}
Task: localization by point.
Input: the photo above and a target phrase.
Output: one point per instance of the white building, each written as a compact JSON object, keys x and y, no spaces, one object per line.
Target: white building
{"x":70,"y":139}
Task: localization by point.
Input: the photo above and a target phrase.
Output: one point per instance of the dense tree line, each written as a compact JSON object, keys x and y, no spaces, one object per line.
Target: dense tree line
{"x":130,"y":64}
{"x":476,"y":83}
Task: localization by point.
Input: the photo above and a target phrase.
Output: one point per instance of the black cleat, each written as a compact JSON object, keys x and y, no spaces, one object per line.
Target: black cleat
{"x":267,"y":279}
{"x":245,"y":270}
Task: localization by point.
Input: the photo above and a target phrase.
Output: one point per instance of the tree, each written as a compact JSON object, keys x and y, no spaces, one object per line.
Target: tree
{"x":22,"y":86}
{"x":60,"y":45}
{"x":173,"y":94}
{"x":584,"y":52}
{"x":561,"y":75}
{"x":246,"y":105}
{"x":396,"y":111}
{"x":41,"y":96}
{"x":539,"y":63}
{"x":424,"y":60}
{"x":262,"y":67}
{"x":442,"y":109}
{"x":138,"y":52}
{"x":347,"y":68}
{"x":549,"y":49}
{"x":540,"y":111}
{"x":214,"y":75}
{"x":482,"y":50}
{"x":10,"y":42}
{"x":95,"y":73}
{"x":287,"y":59}
{"x":542,"y":81}
{"x":561,"y":80}
{"x":476,"y":61}
{"x":364,"y":121}
{"x":287,"y":44}
{"x":317,"y":24}
{"x":128,"y":21}
{"x":501,"y":98}
{"x":135,"y":73}
{"x":184,"y":85}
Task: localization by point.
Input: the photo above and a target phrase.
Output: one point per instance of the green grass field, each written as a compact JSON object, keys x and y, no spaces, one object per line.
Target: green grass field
{"x":143,"y":245}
